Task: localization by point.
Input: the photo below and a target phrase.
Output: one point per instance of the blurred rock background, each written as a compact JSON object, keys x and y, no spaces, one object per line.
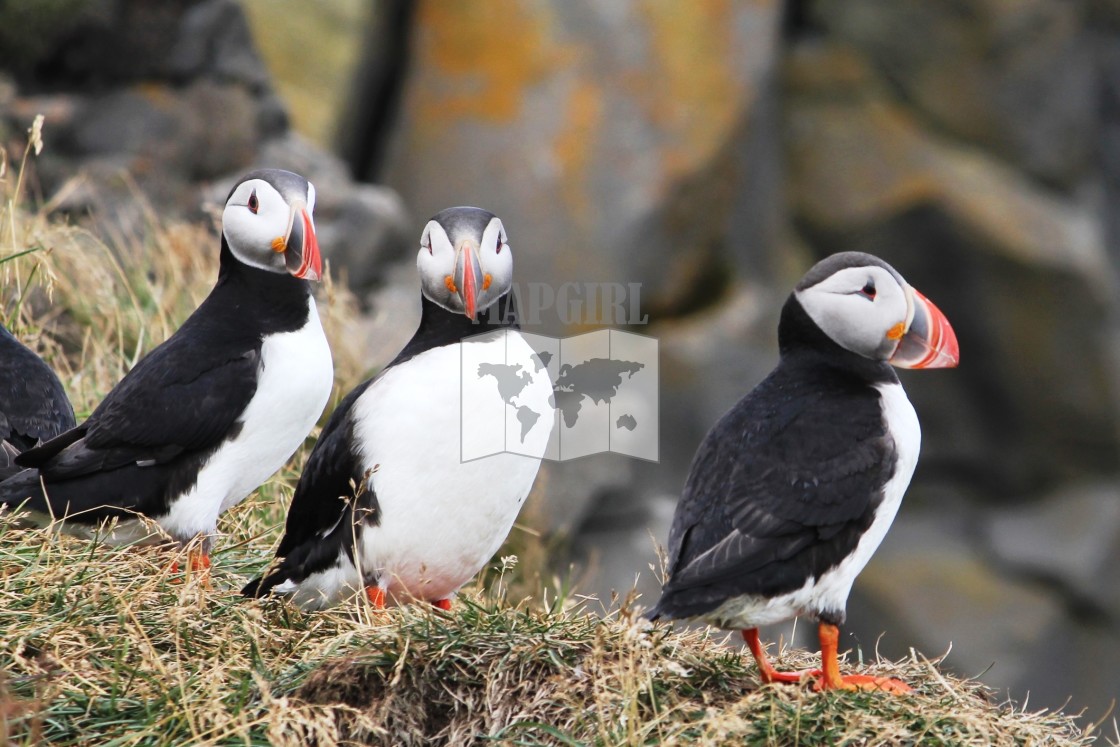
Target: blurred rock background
{"x":710,"y":151}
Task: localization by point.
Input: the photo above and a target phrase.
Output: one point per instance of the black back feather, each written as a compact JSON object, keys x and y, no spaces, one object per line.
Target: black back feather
{"x":787,"y":482}
{"x":145,"y":443}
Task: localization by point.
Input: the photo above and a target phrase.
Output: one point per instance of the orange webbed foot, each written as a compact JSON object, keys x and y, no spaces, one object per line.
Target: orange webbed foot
{"x":831,"y":679}
{"x":766,"y":671}
{"x":376,"y":597}
{"x":443,"y":604}
{"x":773,"y":675}
{"x":865,"y":683}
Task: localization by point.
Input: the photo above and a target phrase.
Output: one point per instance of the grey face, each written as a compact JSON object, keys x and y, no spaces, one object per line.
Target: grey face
{"x":465,"y":261}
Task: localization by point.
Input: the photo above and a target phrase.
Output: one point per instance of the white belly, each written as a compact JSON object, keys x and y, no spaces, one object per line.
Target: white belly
{"x":830,"y":591}
{"x":442,"y":518}
{"x":296,"y":377}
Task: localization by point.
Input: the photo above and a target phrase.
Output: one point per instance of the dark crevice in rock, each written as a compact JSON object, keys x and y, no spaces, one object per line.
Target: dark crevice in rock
{"x":368,"y":122}
{"x":710,"y":277}
{"x":797,"y":21}
{"x":1108,"y":147}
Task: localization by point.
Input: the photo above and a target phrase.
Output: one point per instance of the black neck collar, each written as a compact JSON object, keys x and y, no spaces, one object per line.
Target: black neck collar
{"x":274,"y":301}
{"x":799,"y":338}
{"x":439,"y":327}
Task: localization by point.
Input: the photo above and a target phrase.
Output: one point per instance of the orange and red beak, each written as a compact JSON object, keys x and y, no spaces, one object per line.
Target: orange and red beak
{"x":929,"y":341}
{"x":468,"y":277}
{"x":301,"y":246}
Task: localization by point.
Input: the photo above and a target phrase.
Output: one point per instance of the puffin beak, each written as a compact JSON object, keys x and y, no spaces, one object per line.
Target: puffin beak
{"x":929,"y":342}
{"x":468,"y":277}
{"x":301,"y":246}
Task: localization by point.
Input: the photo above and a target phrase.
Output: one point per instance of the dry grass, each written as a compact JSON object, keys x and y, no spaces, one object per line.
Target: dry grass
{"x":103,"y":645}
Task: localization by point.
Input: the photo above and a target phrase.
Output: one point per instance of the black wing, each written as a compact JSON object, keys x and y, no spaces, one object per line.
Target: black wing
{"x":781,"y":489}
{"x":177,"y":405}
{"x":33,"y":404}
{"x":328,"y":480}
{"x":324,"y":508}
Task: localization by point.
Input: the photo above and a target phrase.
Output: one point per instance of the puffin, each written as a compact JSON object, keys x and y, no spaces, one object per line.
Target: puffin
{"x":33,"y":403}
{"x":212,"y":412}
{"x":386,"y":504}
{"x":793,"y":489}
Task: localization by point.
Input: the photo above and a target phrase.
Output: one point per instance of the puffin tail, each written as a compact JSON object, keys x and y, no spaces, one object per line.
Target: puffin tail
{"x":21,"y":485}
{"x":8,"y":466}
{"x":655,"y":613}
{"x":253,"y":588}
{"x":256,"y":588}
{"x":263,"y":585}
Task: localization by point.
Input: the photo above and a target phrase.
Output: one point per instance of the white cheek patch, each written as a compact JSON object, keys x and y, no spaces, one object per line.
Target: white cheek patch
{"x":851,"y":319}
{"x":250,"y":235}
{"x":436,"y":262}
{"x":843,"y":318}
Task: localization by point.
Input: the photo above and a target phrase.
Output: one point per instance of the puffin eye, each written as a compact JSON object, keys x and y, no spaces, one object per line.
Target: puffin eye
{"x":868,"y":290}
{"x":254,"y":203}
{"x":498,"y":246}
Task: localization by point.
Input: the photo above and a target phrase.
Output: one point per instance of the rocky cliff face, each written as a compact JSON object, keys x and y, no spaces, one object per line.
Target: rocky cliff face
{"x":711,"y":151}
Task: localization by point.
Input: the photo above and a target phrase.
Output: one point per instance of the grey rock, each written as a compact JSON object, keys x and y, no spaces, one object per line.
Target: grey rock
{"x":124,"y":121}
{"x":98,"y":44}
{"x":214,"y":41}
{"x":1069,"y":540}
{"x":1017,"y":78}
{"x":616,"y":549}
{"x":980,"y":239}
{"x":609,"y":156}
{"x":218,"y":130}
{"x":365,"y":227}
{"x":928,"y":587}
{"x":392,"y":312}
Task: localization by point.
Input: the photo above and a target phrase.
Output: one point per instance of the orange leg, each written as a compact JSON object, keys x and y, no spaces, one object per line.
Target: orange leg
{"x":198,"y":561}
{"x":443,"y":604}
{"x":766,"y":671}
{"x":376,"y":597}
{"x":831,"y":679}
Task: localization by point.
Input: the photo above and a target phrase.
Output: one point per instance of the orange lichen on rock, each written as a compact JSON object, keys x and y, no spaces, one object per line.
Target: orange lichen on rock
{"x":488,"y":54}
{"x":693,"y":90}
{"x":575,"y":143}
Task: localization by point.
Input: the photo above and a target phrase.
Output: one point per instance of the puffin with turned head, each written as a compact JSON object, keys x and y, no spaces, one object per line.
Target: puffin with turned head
{"x":210,"y":414}
{"x":794,"y":488}
{"x":386,"y":503}
{"x":33,"y":403}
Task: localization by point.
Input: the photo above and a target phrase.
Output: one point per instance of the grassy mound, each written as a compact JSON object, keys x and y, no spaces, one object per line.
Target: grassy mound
{"x":103,"y":645}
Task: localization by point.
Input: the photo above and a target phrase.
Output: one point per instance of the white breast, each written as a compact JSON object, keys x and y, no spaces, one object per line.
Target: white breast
{"x":442,"y":518}
{"x":296,"y":375}
{"x":830,"y":591}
